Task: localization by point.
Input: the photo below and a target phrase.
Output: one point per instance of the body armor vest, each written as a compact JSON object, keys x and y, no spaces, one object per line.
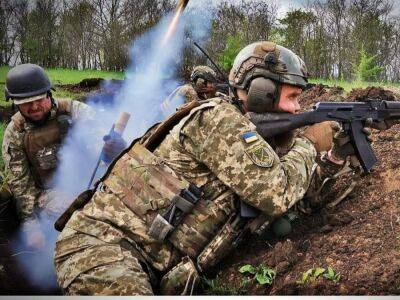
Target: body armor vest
{"x":173,"y":210}
{"x":43,"y":142}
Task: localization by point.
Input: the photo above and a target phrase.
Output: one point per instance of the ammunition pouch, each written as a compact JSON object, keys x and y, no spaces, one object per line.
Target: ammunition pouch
{"x":181,"y":279}
{"x":229,"y":237}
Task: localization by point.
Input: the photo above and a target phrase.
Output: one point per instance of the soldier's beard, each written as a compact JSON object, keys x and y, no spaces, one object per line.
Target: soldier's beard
{"x":37,"y":122}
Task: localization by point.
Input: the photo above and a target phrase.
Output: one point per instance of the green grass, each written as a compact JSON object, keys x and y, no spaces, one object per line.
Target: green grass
{"x":349,"y":85}
{"x":69,"y":76}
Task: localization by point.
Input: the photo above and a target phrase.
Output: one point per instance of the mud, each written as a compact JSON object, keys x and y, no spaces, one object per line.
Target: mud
{"x":359,"y":238}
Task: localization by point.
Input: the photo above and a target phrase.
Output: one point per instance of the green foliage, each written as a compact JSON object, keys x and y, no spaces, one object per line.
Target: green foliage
{"x":262,"y":274}
{"x":331,"y":275}
{"x":233,"y":46}
{"x":314,"y":273}
{"x":367,"y":69}
{"x":310,"y":274}
{"x":349,"y":85}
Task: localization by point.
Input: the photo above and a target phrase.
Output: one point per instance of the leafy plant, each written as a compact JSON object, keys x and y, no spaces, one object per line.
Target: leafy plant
{"x":262,"y":274}
{"x":312,"y":274}
{"x":331,"y":275}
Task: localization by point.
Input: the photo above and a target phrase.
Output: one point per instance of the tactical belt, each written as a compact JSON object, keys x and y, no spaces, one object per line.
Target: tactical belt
{"x":181,"y":204}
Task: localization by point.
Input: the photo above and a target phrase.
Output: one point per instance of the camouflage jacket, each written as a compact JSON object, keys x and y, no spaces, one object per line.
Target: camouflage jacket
{"x":18,"y":170}
{"x":216,"y":148}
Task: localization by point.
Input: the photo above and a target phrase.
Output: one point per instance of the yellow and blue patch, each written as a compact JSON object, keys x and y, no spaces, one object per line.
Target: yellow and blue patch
{"x":250,"y":136}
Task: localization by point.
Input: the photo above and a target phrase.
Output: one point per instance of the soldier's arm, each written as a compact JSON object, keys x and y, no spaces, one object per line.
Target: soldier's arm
{"x":189,"y":93}
{"x":227,"y":143}
{"x":19,"y":176}
{"x":321,"y":182}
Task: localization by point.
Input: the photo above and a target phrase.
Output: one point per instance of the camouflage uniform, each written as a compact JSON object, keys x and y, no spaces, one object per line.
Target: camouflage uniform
{"x":105,"y":247}
{"x":192,"y":91}
{"x":28,"y":195}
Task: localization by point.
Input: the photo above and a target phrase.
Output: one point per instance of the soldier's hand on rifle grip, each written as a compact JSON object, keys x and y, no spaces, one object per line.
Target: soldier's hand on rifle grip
{"x":321,"y":135}
{"x":343,"y":148}
{"x":113,"y":145}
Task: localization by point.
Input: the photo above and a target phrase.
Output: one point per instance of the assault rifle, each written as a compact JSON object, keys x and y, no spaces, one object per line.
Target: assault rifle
{"x":352,"y":115}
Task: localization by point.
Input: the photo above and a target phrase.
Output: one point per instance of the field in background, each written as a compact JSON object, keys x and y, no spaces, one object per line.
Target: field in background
{"x":349,"y":85}
{"x":62,"y":76}
{"x":66,"y":76}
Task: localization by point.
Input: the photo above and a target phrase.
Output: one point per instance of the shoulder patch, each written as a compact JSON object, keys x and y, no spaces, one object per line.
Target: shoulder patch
{"x":260,"y":154}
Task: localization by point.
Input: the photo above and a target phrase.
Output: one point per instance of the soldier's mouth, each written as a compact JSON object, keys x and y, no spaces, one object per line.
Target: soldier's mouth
{"x":35,"y":114}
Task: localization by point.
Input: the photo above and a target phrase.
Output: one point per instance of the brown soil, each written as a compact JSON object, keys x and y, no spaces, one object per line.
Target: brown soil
{"x":359,"y":238}
{"x":86,"y":85}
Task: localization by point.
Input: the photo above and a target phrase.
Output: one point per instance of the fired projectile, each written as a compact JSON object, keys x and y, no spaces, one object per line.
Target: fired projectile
{"x":183,"y":3}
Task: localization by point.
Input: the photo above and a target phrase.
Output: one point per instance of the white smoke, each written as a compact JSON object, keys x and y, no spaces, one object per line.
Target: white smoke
{"x":150,"y":77}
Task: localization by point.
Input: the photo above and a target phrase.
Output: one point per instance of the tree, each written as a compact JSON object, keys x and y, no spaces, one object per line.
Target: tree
{"x":233,"y":46}
{"x":367,"y":70}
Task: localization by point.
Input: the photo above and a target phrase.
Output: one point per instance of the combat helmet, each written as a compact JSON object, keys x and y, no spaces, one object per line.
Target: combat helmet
{"x":260,"y":67}
{"x":26,"y":83}
{"x":203,"y":72}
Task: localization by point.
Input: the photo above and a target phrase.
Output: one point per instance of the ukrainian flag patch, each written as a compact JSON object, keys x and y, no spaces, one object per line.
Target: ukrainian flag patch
{"x":250,"y":136}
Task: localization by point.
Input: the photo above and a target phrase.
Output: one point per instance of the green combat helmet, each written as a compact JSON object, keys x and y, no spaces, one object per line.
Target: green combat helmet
{"x":204,"y":73}
{"x":26,"y":83}
{"x":260,"y":69}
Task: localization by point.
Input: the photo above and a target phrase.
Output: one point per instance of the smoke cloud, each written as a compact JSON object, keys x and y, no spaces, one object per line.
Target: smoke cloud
{"x":149,"y":79}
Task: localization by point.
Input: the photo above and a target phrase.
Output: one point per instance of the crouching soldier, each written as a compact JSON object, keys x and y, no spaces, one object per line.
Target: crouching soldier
{"x":31,"y":143}
{"x":170,"y":207}
{"x":202,"y":86}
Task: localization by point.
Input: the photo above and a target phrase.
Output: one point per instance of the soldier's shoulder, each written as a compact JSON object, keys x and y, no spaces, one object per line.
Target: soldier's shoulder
{"x":220,"y":105}
{"x":64,"y":105}
{"x":17,"y":123}
{"x":14,"y":131}
{"x":213,"y":111}
{"x":187,"y":89}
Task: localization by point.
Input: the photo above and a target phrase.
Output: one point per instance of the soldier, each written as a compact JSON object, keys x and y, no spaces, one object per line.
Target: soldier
{"x":170,"y":207}
{"x":202,"y":86}
{"x":32,"y":140}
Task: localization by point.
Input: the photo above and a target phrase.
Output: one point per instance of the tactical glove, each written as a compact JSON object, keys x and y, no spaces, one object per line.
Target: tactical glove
{"x":343,"y":148}
{"x":113,"y":145}
{"x":321,"y":135}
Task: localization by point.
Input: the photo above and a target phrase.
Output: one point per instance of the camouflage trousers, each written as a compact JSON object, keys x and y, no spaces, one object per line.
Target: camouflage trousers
{"x":86,"y":265}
